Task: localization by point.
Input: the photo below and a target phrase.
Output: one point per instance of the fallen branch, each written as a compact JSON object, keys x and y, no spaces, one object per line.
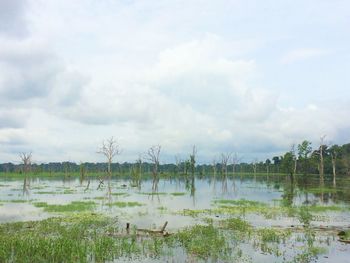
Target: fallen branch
{"x":344,"y":241}
{"x":139,"y":231}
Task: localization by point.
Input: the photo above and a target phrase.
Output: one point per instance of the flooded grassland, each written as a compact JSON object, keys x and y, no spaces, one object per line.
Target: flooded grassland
{"x":239,"y":218}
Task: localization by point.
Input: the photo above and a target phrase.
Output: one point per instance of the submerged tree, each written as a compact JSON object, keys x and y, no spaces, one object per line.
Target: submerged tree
{"x":193,"y":160}
{"x":288,"y":164}
{"x":110,"y":148}
{"x":295,"y":158}
{"x":225,"y":157}
{"x":177,"y":163}
{"x":304,"y":150}
{"x":335,"y":152}
{"x":321,"y":152}
{"x":193,"y":169}
{"x":235,"y":160}
{"x":26,"y":159}
{"x":214,"y":163}
{"x":153,"y":156}
{"x":267,"y":163}
{"x":255,"y":165}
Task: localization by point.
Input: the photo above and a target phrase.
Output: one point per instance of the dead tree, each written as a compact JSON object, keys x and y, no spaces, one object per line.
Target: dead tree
{"x":214,"y":167}
{"x":320,"y":153}
{"x":110,"y":148}
{"x":26,"y":159}
{"x":235,"y":161}
{"x":193,"y":168}
{"x":177,"y":163}
{"x":255,"y":166}
{"x":334,"y":152}
{"x":153,"y":156}
{"x":193,"y":160}
{"x":225,"y":157}
{"x":139,"y":163}
{"x":294,"y":153}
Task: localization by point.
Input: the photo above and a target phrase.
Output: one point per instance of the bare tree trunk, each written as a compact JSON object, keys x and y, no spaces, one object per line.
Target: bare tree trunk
{"x":153,"y":156}
{"x":109,"y":149}
{"x":321,"y":165}
{"x":333,"y":168}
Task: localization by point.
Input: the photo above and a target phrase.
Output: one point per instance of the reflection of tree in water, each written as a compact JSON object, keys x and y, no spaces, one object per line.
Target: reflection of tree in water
{"x":136,"y":174}
{"x":224,"y":185}
{"x":289,"y":191}
{"x":225,"y":157}
{"x":26,"y":159}
{"x":26,"y":184}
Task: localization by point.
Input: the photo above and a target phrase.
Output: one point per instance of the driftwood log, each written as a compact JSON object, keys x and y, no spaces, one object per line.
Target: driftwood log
{"x":154,"y":232}
{"x":143,"y":232}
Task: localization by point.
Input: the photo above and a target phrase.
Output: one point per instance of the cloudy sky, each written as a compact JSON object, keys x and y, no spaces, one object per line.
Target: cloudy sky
{"x":242,"y":76}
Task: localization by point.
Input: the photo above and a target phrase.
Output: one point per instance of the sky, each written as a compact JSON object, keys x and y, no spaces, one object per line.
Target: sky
{"x":240,"y":76}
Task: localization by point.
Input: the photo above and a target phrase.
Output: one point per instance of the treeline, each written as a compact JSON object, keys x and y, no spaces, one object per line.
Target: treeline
{"x":301,"y":159}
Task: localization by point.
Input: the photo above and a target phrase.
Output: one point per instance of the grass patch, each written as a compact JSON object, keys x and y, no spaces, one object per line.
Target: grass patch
{"x":75,"y":206}
{"x":239,"y":202}
{"x":162,"y":209}
{"x":177,"y":193}
{"x":17,"y":201}
{"x":237,"y":224}
{"x":72,"y":239}
{"x":203,"y":242}
{"x":152,"y":193}
{"x":69,"y":191}
{"x":120,"y":194}
{"x":126,"y":204}
{"x":46,"y":192}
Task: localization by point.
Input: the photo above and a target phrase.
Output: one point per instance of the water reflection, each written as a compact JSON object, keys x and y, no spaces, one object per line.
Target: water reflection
{"x":196,"y":192}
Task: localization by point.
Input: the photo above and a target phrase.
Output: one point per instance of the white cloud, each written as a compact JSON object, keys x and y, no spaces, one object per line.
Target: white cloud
{"x":172,"y":73}
{"x":303,"y":54}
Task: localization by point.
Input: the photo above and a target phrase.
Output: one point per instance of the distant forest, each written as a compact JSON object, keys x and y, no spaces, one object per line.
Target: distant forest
{"x":301,"y":159}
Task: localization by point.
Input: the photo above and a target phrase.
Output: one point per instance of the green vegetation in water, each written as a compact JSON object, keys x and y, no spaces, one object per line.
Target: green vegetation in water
{"x":17,"y":201}
{"x":273,"y":235}
{"x":81,"y":238}
{"x":239,"y":202}
{"x":237,"y":224}
{"x":75,"y":206}
{"x":47,"y":192}
{"x":204,"y":242}
{"x":178,"y":193}
{"x":126,"y":204}
{"x":87,"y":237}
{"x":305,"y":213}
{"x":162,"y":209}
{"x":321,"y":190}
{"x":152,"y":193}
{"x":69,"y":191}
{"x":100,"y":198}
{"x":120,"y":194}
